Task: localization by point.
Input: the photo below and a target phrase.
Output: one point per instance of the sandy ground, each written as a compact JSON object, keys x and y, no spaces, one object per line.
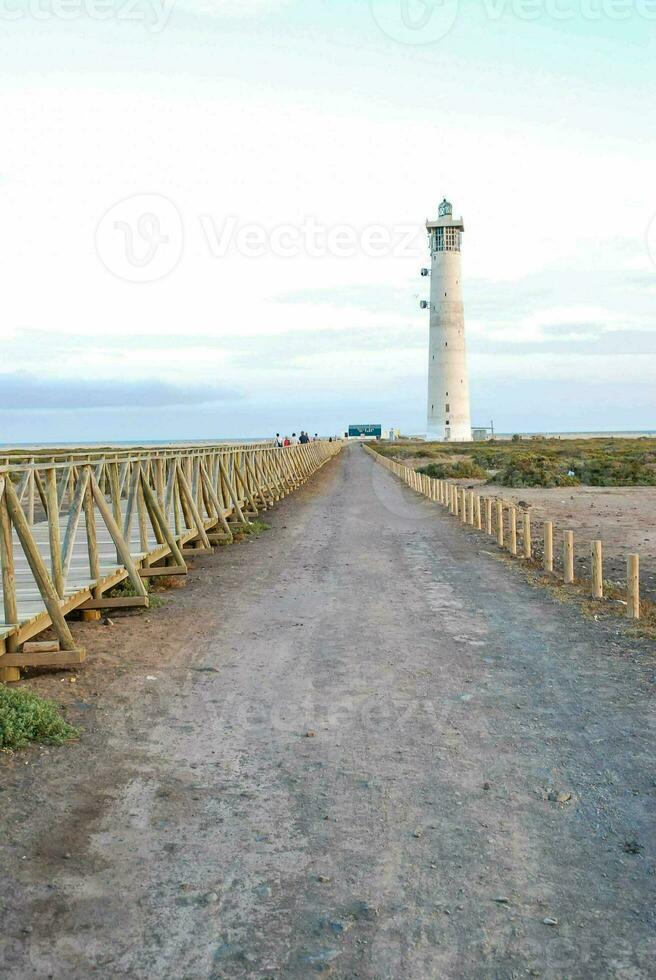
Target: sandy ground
{"x":623,"y":518}
{"x":357,"y":746}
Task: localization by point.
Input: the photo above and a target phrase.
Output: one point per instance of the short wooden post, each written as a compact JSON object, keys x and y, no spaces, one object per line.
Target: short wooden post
{"x":548,"y":546}
{"x":512,"y":525}
{"x":463,"y":506}
{"x":470,"y":509}
{"x":488,"y":516}
{"x":478,"y":518}
{"x":500,"y":523}
{"x":456,"y":508}
{"x":633,"y":587}
{"x":526,"y":534}
{"x":568,"y":557}
{"x":597,"y":570}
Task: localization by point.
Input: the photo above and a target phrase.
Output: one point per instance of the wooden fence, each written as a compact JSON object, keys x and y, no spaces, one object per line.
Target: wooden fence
{"x":75,"y":526}
{"x":510,"y":525}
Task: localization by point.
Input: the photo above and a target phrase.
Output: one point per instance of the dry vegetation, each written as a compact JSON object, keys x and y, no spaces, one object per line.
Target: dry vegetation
{"x":536,"y":462}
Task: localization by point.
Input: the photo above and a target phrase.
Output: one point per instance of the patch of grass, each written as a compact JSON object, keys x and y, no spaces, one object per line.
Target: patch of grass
{"x":464,"y":469}
{"x":126,"y":589}
{"x":255,"y":528}
{"x":25,"y":717}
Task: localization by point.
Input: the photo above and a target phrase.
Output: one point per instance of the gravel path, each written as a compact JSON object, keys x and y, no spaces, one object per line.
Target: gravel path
{"x":369,"y":751}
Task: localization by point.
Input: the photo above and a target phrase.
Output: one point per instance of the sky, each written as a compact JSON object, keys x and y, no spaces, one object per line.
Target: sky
{"x":213,"y":212}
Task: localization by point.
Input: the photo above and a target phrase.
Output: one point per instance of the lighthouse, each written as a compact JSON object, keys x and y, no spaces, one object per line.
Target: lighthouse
{"x":449,"y":418}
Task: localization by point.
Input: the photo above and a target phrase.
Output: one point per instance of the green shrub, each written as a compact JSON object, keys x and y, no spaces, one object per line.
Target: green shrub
{"x":533,"y":470}
{"x":489,"y":457}
{"x":25,"y":717}
{"x":464,"y":469}
{"x":602,"y":471}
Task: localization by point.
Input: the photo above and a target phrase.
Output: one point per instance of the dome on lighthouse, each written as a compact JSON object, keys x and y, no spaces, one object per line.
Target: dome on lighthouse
{"x":445,"y":208}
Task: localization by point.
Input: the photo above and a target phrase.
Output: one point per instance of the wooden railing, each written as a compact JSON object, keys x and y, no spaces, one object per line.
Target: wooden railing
{"x":75,"y":526}
{"x":511,"y":527}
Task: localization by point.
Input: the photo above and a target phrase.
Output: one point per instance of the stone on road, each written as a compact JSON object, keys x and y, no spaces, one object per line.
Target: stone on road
{"x":379,"y":754}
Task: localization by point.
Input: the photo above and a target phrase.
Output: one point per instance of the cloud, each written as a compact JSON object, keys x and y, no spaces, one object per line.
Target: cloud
{"x":22,"y":392}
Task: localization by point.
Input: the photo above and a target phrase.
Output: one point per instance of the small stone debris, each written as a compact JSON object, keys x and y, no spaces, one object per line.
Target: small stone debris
{"x":310,"y":734}
{"x":108,"y":622}
{"x":632,"y":847}
{"x":418,"y":833}
{"x":212,"y":898}
{"x":501,"y":900}
{"x":554,"y":796}
{"x":550,"y":921}
{"x":339,"y":926}
{"x":486,"y":786}
{"x":324,"y":879}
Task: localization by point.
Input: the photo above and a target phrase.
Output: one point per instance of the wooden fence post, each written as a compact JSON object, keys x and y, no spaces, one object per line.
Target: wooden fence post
{"x":633,"y":587}
{"x":500,"y":523}
{"x":512,"y":524}
{"x":8,"y":574}
{"x":568,"y":557}
{"x":488,"y":515}
{"x":526,"y":535}
{"x":548,"y":546}
{"x":478,"y":519}
{"x":470,"y":514}
{"x":597,"y":570}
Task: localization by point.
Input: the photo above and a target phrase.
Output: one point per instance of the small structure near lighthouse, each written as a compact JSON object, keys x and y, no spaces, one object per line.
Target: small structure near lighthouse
{"x":449,"y":418}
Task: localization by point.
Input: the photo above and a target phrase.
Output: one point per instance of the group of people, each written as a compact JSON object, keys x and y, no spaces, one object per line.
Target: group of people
{"x":295,"y":440}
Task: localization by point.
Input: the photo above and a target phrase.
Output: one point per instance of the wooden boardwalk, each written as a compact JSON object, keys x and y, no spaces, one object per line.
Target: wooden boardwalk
{"x":75,"y":526}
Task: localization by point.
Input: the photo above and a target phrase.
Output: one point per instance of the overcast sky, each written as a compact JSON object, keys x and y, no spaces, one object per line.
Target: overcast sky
{"x":212,"y":212}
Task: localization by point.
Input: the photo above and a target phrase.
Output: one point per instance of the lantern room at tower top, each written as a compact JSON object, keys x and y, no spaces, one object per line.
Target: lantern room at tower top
{"x":444,"y":232}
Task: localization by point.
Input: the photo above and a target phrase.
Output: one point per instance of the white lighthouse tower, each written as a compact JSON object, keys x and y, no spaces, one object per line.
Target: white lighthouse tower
{"x":449,"y":418}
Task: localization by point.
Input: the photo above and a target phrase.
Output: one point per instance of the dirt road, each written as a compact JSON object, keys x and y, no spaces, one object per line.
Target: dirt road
{"x":354,"y":747}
